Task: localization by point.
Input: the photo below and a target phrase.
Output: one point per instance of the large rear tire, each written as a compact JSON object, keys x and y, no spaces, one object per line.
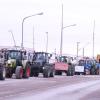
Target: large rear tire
{"x":31,"y":73}
{"x":27,"y":71}
{"x":70,"y":71}
{"x":93,"y":72}
{"x":19,"y":72}
{"x":52,"y":74}
{"x":52,"y":70}
{"x":2,"y":73}
{"x":46,"y":72}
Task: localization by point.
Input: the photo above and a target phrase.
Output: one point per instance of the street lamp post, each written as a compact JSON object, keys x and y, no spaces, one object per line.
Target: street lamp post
{"x":83,"y":52}
{"x":47,"y":42}
{"x":23,"y":23}
{"x":93,"y":37}
{"x":33,"y":39}
{"x":62,"y":28}
{"x":61,"y":43}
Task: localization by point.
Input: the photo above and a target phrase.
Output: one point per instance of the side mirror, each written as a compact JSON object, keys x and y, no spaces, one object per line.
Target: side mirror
{"x":50,"y":55}
{"x":6,"y":56}
{"x":25,"y":53}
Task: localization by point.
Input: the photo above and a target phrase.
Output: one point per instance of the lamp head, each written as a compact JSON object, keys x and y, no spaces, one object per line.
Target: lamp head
{"x":40,"y":13}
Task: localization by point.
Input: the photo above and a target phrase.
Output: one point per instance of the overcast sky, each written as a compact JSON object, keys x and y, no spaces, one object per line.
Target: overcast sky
{"x":79,"y":12}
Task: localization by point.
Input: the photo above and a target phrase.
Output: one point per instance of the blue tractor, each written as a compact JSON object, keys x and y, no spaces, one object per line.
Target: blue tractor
{"x":85,"y":66}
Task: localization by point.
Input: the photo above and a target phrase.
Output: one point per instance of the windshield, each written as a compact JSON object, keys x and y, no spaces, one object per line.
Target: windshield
{"x":14,"y":55}
{"x":89,"y":62}
{"x":62,"y":59}
{"x":39,"y":56}
{"x":81,"y":62}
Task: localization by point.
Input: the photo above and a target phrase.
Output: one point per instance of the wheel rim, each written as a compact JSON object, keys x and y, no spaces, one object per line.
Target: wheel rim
{"x":28,"y":72}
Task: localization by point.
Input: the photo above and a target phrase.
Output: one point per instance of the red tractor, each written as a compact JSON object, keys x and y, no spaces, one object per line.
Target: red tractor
{"x":63,"y":64}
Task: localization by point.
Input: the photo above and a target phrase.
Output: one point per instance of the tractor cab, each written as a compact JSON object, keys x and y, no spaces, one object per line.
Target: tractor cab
{"x":15,"y":54}
{"x":41,"y":58}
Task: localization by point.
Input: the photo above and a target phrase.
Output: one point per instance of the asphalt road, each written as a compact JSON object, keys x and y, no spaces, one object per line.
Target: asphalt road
{"x":58,"y":88}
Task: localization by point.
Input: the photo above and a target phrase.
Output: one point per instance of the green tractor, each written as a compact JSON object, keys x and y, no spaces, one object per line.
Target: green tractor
{"x":17,"y":63}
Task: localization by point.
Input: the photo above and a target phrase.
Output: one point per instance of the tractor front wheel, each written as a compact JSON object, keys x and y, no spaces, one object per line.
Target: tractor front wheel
{"x":19,"y":72}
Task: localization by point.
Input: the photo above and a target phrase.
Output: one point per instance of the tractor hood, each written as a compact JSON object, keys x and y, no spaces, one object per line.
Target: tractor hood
{"x":11,"y":61}
{"x":38,"y":62}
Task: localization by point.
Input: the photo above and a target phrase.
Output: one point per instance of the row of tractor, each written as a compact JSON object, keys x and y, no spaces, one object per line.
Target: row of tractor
{"x":83,"y":66}
{"x":24,"y":64}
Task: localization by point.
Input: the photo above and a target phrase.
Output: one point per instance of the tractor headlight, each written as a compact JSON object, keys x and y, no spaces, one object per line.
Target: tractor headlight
{"x":9,"y":61}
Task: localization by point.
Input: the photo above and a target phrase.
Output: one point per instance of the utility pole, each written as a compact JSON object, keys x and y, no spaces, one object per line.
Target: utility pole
{"x":47,"y":42}
{"x":22,"y":44}
{"x":93,"y":38}
{"x":62,"y":28}
{"x":77,"y":48}
{"x":83,"y":52}
{"x":33,"y":40}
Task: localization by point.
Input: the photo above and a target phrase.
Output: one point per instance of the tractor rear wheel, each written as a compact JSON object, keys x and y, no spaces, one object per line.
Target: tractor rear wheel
{"x":46,"y":73}
{"x":2,"y":73}
{"x":27,"y":71}
{"x":52,"y":74}
{"x":71,"y":70}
